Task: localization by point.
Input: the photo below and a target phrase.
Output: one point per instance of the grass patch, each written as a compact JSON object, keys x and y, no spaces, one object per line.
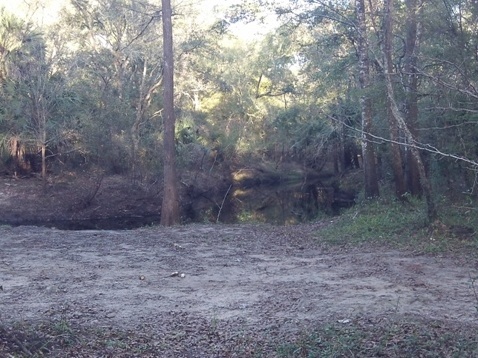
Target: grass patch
{"x":389,"y":339}
{"x":377,"y":220}
{"x":362,"y":337}
{"x":62,"y":339}
{"x":404,"y":224}
{"x":26,"y":340}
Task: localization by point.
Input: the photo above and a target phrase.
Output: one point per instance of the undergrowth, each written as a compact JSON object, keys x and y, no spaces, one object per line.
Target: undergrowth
{"x":401,"y":224}
{"x":400,"y":338}
{"x":386,"y":339}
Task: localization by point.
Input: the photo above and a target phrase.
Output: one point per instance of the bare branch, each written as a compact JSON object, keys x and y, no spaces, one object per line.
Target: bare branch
{"x":417,"y":145}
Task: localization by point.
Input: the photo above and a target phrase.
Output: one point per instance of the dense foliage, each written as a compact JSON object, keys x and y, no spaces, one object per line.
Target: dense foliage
{"x":388,"y":88}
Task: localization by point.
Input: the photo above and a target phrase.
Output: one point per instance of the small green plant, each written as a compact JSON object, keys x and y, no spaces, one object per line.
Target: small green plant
{"x":116,"y":343}
{"x":247,"y":216}
{"x":214,"y":323}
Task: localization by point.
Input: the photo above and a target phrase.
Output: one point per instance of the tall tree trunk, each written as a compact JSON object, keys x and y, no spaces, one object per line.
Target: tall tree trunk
{"x":411,"y":49}
{"x":39,"y":113}
{"x":43,"y":158}
{"x":144,"y":101}
{"x":170,"y":206}
{"x":415,"y":153}
{"x":368,"y":152}
{"x":397,"y":163}
{"x":135,"y":136}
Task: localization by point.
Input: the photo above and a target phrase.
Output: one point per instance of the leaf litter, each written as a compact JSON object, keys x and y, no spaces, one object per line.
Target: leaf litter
{"x":210,"y":290}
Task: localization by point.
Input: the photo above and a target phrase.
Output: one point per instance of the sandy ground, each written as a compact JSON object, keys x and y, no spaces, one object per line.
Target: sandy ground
{"x":261,"y":278}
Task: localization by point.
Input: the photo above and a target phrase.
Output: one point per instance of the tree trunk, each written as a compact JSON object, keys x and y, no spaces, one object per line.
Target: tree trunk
{"x":413,"y":173}
{"x":396,"y":156}
{"x":368,"y":152}
{"x":170,"y":206}
{"x":41,"y":115}
{"x":43,"y":164}
{"x":135,"y":136}
{"x":144,"y":101}
{"x":415,"y":153}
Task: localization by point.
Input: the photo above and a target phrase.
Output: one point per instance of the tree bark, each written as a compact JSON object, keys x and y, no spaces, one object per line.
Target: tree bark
{"x":396,"y":156}
{"x":144,"y":101}
{"x":135,"y":128}
{"x":415,"y":153}
{"x":413,"y":173}
{"x":368,"y":152}
{"x":170,"y":206}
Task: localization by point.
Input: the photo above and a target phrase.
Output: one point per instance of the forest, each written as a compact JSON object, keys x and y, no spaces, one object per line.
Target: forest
{"x":322,"y":105}
{"x":240,"y":178}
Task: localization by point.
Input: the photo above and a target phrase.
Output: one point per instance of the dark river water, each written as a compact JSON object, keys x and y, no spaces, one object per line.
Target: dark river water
{"x":280,"y":204}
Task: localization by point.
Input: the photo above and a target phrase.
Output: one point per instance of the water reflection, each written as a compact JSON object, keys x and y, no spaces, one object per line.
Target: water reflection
{"x":281,"y":204}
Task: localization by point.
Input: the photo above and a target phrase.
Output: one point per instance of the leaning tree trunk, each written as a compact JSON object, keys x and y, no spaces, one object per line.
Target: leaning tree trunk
{"x":170,"y":206}
{"x":368,"y":152}
{"x":415,"y":153}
